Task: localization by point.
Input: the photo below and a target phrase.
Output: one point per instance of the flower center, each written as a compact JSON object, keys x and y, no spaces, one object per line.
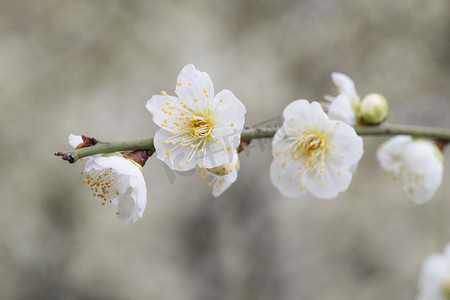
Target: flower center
{"x":312,"y":148}
{"x":200,"y":126}
{"x":102,"y":184}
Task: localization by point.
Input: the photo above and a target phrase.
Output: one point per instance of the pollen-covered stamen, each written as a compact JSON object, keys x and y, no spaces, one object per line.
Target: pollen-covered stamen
{"x":311,"y":148}
{"x":102,"y":184}
{"x":194,"y":131}
{"x":200,"y":126}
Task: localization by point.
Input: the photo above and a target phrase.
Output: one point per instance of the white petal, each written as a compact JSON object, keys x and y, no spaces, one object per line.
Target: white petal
{"x":126,"y":207}
{"x":228,"y":110}
{"x":330,"y":183}
{"x":346,"y":144}
{"x":139,"y":194}
{"x":158,"y":106}
{"x":214,"y":155}
{"x":223,"y":183}
{"x":278,"y":143}
{"x":75,"y":140}
{"x":175,"y":156}
{"x":299,"y":110}
{"x":229,"y":136}
{"x":345,"y":84}
{"x":193,"y":84}
{"x":306,"y":116}
{"x":435,"y":273}
{"x":285,"y":179}
{"x":118,"y":164}
{"x":341,"y":109}
{"x":389,"y":154}
{"x":423,"y":172}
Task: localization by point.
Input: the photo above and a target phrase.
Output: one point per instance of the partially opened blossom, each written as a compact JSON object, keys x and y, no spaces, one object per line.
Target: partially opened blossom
{"x":345,"y":106}
{"x":312,"y":153}
{"x":197,"y":127}
{"x":348,"y":107}
{"x":222,"y":177}
{"x":116,"y":180}
{"x":434,"y":280}
{"x":416,"y":163}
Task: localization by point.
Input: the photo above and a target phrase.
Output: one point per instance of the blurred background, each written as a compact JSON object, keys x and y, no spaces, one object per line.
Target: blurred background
{"x":88,"y":67}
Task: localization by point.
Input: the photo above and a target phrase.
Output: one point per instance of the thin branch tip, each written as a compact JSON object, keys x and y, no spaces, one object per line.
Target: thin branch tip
{"x":69,"y":157}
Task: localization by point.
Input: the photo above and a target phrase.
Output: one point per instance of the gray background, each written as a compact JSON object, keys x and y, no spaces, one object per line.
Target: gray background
{"x":88,"y":67}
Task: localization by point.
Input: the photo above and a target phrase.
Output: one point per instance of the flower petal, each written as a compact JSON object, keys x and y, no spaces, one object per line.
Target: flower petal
{"x":284,"y":178}
{"x":423,"y":173}
{"x":176,"y":156}
{"x":390,"y":153}
{"x":163,"y":116}
{"x":434,"y":276}
{"x":341,"y":109}
{"x":330,"y":183}
{"x":228,"y":110}
{"x":215,"y":154}
{"x":75,"y":140}
{"x":347,"y":144}
{"x":193,"y":84}
{"x":229,"y":136}
{"x":345,"y":84}
{"x":222,"y":183}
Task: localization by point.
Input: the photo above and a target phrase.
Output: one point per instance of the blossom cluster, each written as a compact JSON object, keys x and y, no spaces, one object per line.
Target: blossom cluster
{"x":316,"y":150}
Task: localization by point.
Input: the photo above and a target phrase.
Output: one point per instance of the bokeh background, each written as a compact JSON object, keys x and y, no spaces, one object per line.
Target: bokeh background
{"x":88,"y":67}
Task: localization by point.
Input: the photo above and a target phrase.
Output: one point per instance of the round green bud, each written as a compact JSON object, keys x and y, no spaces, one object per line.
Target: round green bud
{"x":374,"y":109}
{"x":446,"y":290}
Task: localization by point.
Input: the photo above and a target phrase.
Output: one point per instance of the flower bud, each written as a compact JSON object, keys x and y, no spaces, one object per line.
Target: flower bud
{"x":374,"y":109}
{"x":226,"y":168}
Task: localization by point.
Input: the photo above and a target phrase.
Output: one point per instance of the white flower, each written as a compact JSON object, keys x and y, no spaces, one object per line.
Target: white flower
{"x":222,"y":177}
{"x":417,"y":164}
{"x":345,"y":106}
{"x":117,"y":180}
{"x":312,"y":153}
{"x":197,"y":128}
{"x":434,"y":280}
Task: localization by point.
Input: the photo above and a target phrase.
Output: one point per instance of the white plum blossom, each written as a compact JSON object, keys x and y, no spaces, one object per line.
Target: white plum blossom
{"x":197,"y":128}
{"x":312,"y":153}
{"x":434,"y":280}
{"x":345,"y":106}
{"x":416,"y":163}
{"x":221,"y":177}
{"x":117,"y":180}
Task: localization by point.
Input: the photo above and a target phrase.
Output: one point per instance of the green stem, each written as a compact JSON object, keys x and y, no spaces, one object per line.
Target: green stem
{"x":259,"y":133}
